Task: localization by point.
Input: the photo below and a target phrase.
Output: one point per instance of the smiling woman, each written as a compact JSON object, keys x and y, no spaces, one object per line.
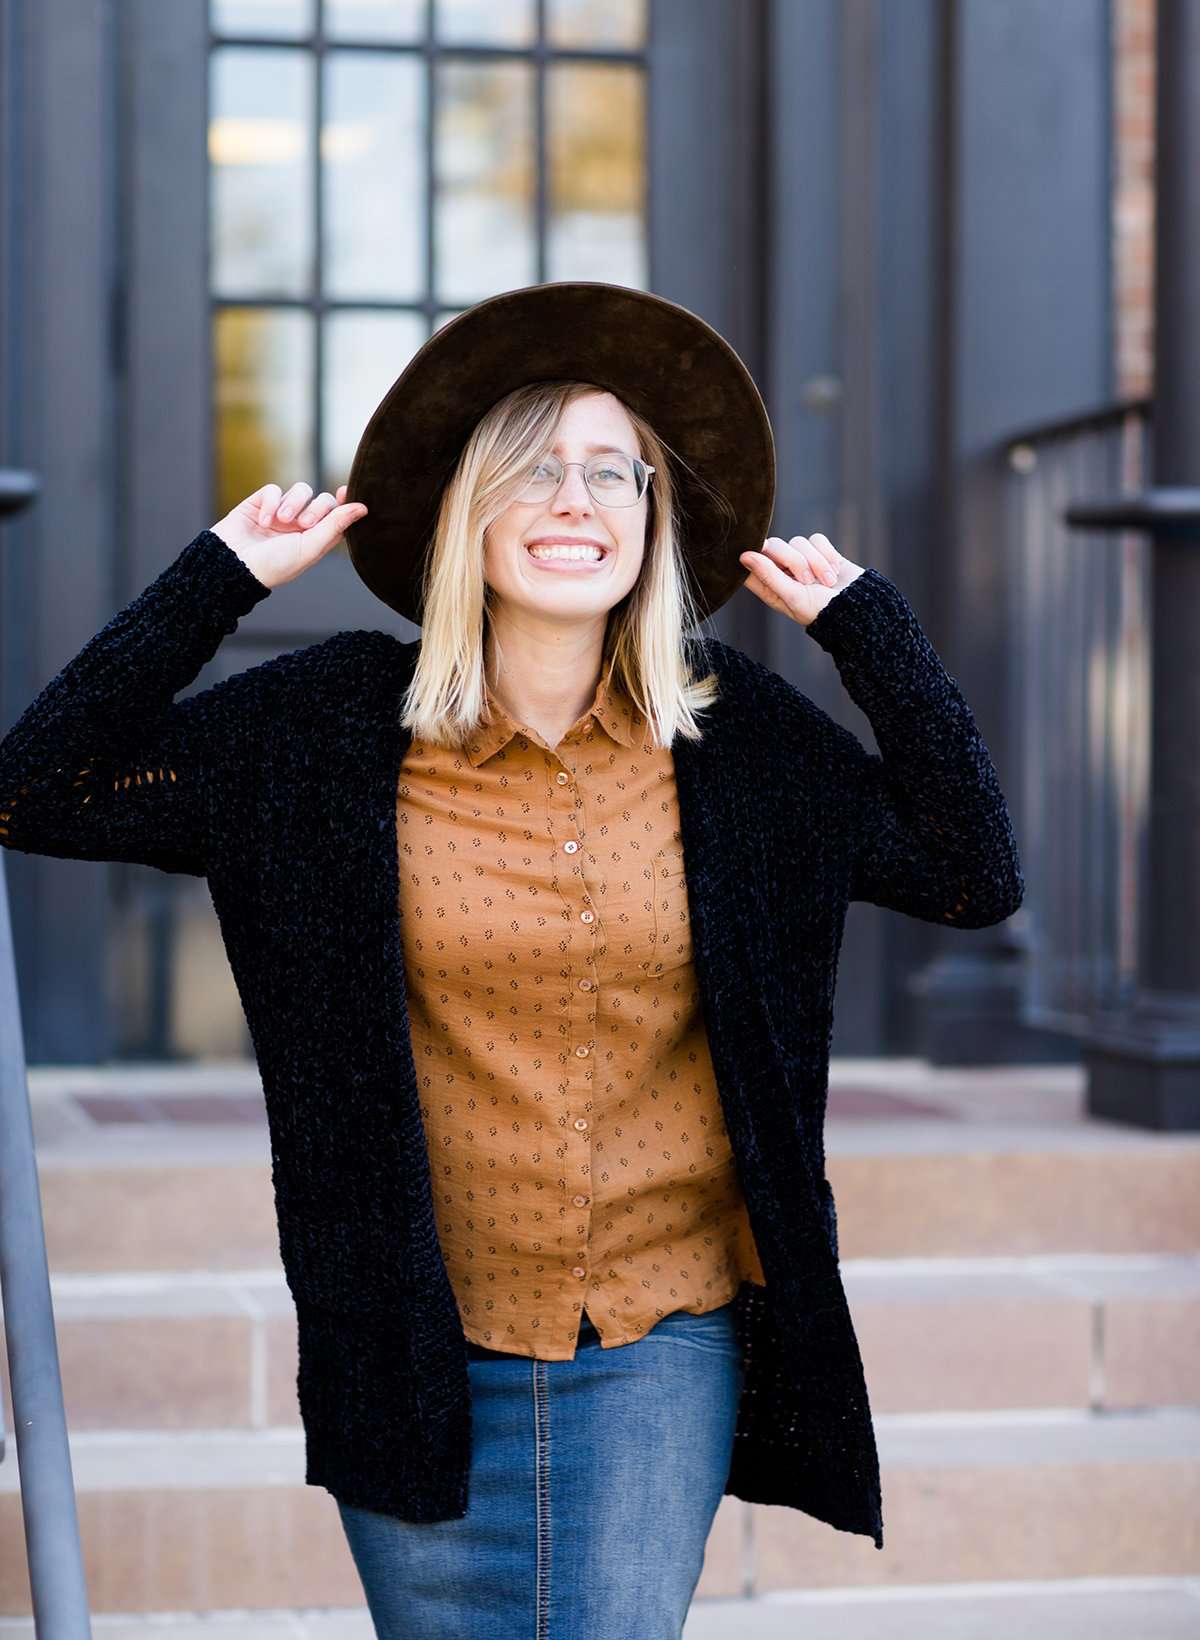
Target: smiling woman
{"x":556,"y":558}
{"x":542,"y":1009}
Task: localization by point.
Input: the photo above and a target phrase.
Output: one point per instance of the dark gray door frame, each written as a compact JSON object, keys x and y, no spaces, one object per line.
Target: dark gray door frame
{"x":778,"y":247}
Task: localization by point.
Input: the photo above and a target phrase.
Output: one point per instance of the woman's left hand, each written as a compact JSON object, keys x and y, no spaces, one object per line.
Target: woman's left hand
{"x":798,"y":577}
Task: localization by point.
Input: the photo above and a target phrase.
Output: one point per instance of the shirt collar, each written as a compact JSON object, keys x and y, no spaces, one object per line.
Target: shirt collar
{"x":612,"y":708}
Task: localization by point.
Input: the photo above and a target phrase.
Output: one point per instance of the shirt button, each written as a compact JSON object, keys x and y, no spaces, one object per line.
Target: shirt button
{"x":579,"y":1271}
{"x":562,"y":777}
{"x":581,"y":1122}
{"x":585,"y":985}
{"x":582,"y":1051}
{"x":569,"y":848}
{"x":587,"y":916}
{"x":580,"y":1201}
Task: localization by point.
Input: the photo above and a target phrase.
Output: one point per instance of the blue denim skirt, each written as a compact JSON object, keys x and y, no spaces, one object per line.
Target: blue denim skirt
{"x":593,"y":1487}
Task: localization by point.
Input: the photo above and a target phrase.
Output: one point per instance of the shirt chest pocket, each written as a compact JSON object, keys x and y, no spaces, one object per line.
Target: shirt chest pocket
{"x":644,"y":916}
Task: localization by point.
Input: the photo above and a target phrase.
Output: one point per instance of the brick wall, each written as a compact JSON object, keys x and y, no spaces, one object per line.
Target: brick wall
{"x":1133,"y":195}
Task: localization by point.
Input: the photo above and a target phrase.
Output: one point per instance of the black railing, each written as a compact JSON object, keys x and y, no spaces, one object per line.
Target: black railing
{"x":1081,"y":606}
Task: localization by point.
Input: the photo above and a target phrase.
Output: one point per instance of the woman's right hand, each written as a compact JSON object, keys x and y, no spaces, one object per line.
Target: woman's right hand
{"x":276,"y":548}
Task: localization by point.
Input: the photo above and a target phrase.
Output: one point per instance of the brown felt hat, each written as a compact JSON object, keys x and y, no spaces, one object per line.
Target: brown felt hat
{"x":664,"y":361}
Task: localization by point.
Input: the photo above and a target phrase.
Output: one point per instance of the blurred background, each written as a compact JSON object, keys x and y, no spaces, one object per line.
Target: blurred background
{"x":955,"y":242}
{"x":927,"y":227}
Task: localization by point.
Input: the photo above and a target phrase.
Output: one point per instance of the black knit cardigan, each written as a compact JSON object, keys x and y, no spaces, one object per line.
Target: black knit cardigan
{"x":278,"y":785}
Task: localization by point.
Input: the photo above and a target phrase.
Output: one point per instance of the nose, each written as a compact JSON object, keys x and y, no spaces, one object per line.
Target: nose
{"x":572,"y":494}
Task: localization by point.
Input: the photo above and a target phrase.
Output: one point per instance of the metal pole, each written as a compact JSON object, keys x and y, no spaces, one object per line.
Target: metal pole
{"x":60,"y":1605}
{"x":53,"y":1551}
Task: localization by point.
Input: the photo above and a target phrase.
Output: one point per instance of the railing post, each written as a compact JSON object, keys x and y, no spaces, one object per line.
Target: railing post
{"x":1144,"y":1062}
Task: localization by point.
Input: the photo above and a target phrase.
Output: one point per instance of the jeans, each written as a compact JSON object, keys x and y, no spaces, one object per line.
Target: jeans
{"x":593,"y":1488}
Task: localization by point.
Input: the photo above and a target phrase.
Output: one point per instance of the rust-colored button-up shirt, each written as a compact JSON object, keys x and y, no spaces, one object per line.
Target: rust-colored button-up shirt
{"x":577,"y":1144}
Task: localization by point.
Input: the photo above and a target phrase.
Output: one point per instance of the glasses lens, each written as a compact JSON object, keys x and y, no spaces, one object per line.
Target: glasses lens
{"x":615,"y":480}
{"x":542,"y":480}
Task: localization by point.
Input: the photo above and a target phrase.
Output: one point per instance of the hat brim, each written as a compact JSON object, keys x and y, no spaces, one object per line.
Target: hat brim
{"x":663,"y":360}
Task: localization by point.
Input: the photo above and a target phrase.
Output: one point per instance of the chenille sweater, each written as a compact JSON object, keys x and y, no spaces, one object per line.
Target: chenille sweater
{"x":279,"y":786}
{"x":578,"y":1148}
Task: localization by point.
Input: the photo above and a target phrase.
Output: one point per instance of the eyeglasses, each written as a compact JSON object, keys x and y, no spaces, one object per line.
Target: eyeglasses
{"x":613,"y":479}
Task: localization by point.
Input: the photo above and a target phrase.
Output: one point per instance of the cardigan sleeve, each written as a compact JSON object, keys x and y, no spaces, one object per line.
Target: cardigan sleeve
{"x":105,"y":764}
{"x":932,"y":835}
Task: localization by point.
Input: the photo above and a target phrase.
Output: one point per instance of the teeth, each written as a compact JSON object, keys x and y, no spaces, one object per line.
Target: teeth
{"x":589,"y":553}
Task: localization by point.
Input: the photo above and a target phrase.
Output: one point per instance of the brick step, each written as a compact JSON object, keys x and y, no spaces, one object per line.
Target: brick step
{"x":215,"y":1520}
{"x":1024,"y":1281}
{"x":158,"y":1352}
{"x":168,"y":1167}
{"x":142,"y":1198}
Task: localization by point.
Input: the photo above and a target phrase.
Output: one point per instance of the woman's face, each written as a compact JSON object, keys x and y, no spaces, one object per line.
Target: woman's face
{"x":571,"y":589}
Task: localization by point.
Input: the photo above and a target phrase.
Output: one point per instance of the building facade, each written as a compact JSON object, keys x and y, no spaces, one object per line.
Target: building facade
{"x":237,"y":220}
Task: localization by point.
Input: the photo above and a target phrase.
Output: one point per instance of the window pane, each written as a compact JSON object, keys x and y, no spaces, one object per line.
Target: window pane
{"x":373,"y":175}
{"x":280,"y":19}
{"x":261,"y":228}
{"x":485,"y":22}
{"x":264,"y":396}
{"x":392,"y":21}
{"x":485,"y":179}
{"x":364,"y":353}
{"x":613,"y":24}
{"x":595,"y":119}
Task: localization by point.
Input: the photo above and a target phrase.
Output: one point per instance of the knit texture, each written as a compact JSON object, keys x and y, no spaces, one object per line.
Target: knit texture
{"x":279,"y":786}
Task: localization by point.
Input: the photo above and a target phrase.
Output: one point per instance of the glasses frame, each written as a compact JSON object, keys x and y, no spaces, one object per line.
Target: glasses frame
{"x":646,"y":468}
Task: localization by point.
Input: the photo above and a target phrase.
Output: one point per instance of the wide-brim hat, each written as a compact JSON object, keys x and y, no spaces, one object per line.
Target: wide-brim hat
{"x":663,"y":360}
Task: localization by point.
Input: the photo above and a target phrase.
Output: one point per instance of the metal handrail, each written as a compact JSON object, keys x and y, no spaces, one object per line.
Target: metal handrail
{"x":48,"y":1506}
{"x":1082,"y":658}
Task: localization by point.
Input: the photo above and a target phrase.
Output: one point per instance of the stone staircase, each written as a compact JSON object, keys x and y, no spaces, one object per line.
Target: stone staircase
{"x":1025,"y":1282}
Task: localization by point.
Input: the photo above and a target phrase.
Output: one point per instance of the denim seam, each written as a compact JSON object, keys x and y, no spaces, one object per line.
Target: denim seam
{"x":541,"y":1422}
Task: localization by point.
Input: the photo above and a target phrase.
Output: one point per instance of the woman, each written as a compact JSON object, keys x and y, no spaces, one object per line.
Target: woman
{"x":536,"y":924}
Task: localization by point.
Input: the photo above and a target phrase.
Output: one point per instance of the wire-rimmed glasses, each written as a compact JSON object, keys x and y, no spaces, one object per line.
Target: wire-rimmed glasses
{"x":613,"y":479}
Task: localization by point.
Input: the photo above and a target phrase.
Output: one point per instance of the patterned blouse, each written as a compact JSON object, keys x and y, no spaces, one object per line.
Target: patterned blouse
{"x":578,"y":1150}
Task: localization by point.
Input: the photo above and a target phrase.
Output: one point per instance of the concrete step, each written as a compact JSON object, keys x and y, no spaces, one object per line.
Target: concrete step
{"x":1083,"y":1609}
{"x":157,"y":1351}
{"x":194,"y":1193}
{"x":1025,"y":1283}
{"x":204,"y":1521}
{"x":1074,"y":1609}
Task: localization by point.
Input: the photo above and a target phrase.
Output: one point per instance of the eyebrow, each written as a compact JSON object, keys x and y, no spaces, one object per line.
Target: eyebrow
{"x":593,"y":449}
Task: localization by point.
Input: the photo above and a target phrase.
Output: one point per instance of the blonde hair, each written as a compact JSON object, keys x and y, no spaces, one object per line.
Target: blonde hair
{"x":647,"y":650}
